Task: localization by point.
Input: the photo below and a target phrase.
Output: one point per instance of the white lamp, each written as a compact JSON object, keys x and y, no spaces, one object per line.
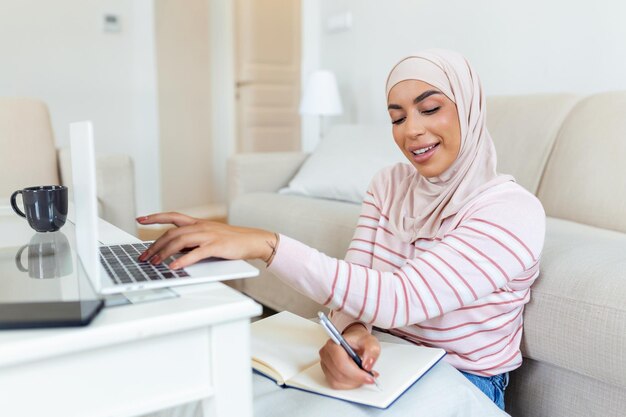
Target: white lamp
{"x":321,"y":96}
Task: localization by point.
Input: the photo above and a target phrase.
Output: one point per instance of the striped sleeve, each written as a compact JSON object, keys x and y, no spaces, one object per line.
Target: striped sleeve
{"x":491,"y":247}
{"x":360,"y":252}
{"x":361,"y":247}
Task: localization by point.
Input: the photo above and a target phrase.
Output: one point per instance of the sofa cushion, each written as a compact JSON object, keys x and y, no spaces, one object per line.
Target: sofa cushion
{"x":585,"y":178}
{"x":323,"y":224}
{"x":540,"y":389}
{"x":576,"y":318}
{"x":345,"y":161}
{"x":524,"y":129}
{"x":28,"y":155}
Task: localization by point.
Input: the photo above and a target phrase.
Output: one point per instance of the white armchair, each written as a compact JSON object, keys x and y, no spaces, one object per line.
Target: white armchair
{"x":28,"y":157}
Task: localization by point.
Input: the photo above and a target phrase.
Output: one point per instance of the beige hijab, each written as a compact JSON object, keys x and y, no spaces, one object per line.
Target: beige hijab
{"x":419,"y":205}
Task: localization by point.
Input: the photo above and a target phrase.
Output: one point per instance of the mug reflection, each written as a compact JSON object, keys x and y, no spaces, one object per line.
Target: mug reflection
{"x":49,"y":256}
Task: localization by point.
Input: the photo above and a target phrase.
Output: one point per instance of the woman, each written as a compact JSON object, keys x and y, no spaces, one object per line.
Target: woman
{"x":445,"y":250}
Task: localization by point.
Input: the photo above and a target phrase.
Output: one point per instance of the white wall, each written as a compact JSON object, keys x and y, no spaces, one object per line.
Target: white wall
{"x":58,"y":52}
{"x":223,"y":127}
{"x":517,"y":47}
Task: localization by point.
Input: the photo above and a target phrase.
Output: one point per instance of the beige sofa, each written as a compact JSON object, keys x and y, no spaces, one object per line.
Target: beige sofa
{"x":29,"y":157}
{"x":571,"y":152}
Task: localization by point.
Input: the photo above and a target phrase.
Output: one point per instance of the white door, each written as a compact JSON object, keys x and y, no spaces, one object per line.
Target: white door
{"x":268,"y":75}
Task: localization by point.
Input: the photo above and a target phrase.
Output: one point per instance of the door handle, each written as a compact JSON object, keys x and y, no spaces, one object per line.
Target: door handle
{"x":243,"y":83}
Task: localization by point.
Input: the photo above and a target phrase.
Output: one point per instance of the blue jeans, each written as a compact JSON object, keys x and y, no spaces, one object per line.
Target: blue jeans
{"x":492,"y":386}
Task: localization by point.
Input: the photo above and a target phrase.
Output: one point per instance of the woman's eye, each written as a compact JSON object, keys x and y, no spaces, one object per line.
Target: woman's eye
{"x":398,"y":121}
{"x":430,"y":111}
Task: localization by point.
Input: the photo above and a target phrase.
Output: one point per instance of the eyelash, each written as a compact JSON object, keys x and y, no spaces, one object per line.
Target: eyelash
{"x":426,"y":112}
{"x":431,"y":111}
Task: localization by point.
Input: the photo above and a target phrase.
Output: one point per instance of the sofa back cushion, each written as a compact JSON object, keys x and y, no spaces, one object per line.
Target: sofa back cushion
{"x":585,"y":179}
{"x":524,"y":129}
{"x":28,"y":155}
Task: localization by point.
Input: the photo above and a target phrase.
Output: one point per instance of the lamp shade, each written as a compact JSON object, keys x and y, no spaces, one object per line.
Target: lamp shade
{"x":321,"y":95}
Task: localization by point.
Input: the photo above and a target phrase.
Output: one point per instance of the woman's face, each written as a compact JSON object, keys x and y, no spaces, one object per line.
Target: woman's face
{"x":425,"y":126}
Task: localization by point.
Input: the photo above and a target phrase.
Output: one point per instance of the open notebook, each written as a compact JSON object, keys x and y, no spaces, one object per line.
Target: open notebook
{"x":285,"y":348}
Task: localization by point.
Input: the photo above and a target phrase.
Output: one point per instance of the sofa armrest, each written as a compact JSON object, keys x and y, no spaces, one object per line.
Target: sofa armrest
{"x":267,"y":172}
{"x":115,"y":181}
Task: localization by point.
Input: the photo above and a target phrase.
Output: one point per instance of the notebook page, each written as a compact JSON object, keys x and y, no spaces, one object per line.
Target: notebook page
{"x":399,"y":366}
{"x":287,"y":343}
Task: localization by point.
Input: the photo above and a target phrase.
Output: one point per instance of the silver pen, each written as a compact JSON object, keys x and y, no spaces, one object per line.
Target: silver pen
{"x":339,"y":339}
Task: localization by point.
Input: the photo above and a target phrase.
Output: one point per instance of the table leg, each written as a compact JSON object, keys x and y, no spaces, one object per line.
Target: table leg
{"x":232,"y":375}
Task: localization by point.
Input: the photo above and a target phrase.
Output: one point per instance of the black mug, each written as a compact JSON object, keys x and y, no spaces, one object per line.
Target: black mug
{"x":45,"y":206}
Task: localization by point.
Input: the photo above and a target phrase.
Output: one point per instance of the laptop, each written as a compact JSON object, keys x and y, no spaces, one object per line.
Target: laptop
{"x":115,"y":268}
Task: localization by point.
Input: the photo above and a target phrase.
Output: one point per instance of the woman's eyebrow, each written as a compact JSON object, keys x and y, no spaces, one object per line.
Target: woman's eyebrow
{"x":417,"y":99}
{"x":424,"y":95}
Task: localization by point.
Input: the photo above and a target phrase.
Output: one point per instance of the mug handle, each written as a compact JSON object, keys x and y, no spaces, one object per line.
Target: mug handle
{"x":18,"y":259}
{"x":14,"y":203}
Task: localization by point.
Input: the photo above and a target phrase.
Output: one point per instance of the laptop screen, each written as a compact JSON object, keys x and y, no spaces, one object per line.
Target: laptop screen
{"x":85,"y":200}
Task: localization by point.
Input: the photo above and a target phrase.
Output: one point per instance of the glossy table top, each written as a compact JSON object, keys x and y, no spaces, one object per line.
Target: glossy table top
{"x":38,"y":266}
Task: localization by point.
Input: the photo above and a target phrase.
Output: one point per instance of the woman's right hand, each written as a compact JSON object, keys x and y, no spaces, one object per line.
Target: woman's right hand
{"x":205,"y":239}
{"x":340,"y":370}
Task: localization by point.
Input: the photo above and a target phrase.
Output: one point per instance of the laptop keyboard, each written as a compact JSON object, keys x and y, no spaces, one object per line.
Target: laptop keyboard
{"x":121,"y":262}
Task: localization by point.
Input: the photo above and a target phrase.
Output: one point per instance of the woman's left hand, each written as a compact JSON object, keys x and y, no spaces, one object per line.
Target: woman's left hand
{"x":207,"y":238}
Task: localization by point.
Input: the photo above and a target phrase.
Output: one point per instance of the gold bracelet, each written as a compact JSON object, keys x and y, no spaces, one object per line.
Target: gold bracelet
{"x":269,"y":260}
{"x":352,"y":325}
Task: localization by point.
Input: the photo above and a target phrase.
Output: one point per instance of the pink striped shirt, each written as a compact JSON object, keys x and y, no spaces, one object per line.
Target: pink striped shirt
{"x":463,"y":291}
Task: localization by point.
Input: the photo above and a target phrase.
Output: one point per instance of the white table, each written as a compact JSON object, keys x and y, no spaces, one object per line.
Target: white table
{"x":132,"y":359}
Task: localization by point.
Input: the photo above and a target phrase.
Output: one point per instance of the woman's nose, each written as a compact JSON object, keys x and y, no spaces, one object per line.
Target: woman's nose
{"x":414,"y":126}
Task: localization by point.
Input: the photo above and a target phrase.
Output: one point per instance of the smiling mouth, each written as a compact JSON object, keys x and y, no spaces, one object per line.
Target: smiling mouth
{"x":424,"y":150}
